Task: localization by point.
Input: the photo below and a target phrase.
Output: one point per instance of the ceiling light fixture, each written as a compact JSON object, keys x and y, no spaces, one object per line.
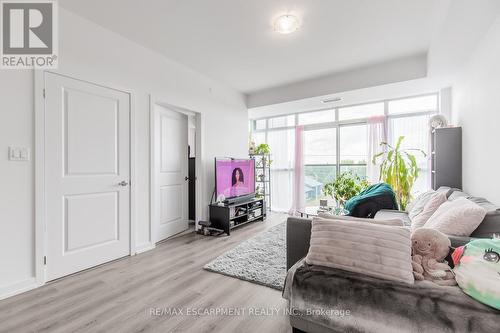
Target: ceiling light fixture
{"x":331,"y":100}
{"x":286,"y":24}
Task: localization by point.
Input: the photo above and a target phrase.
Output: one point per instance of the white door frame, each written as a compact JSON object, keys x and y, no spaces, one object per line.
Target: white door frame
{"x":199,"y":165}
{"x":40,"y":189}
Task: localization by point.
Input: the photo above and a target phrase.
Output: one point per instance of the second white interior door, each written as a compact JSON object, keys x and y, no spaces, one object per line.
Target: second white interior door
{"x":171,"y":165}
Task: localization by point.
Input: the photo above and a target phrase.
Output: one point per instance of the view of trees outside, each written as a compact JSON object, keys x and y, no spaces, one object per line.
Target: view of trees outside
{"x":320,"y":157}
{"x":315,"y":177}
{"x":318,"y":175}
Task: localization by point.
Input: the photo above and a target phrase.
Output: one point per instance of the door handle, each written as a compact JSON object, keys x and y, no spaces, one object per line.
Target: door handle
{"x":123,"y":183}
{"x":186,"y":178}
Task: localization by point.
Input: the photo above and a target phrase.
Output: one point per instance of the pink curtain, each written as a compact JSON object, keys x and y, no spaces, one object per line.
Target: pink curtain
{"x":298,"y":196}
{"x":377,"y":134}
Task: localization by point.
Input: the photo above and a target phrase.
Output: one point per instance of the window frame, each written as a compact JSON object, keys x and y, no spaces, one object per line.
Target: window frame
{"x":337,"y":124}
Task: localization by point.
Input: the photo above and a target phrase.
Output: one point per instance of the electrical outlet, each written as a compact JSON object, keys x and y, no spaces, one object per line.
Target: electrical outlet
{"x":19,"y":154}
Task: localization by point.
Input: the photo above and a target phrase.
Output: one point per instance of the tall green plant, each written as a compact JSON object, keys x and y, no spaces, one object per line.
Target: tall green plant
{"x":399,"y":169}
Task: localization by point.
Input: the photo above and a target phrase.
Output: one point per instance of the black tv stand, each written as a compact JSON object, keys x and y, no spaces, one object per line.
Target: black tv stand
{"x":232,"y":215}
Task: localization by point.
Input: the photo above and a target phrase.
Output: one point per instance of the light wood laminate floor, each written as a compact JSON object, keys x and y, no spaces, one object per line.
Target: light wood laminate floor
{"x":120,"y":296}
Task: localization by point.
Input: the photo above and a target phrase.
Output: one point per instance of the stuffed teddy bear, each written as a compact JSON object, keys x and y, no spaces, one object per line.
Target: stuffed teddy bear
{"x":429,"y":248}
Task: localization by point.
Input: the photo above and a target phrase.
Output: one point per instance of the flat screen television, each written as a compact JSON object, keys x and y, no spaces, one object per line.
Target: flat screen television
{"x":234,"y":177}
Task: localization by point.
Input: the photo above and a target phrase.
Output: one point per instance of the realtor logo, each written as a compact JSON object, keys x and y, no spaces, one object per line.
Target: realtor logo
{"x":29,"y":34}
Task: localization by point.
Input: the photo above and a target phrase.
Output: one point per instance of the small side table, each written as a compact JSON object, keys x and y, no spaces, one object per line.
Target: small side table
{"x":311,"y":211}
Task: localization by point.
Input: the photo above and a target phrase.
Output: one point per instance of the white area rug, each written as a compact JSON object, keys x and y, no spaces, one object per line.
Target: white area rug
{"x":261,"y":259}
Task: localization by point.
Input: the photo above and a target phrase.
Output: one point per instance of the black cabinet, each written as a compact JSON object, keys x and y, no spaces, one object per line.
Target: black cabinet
{"x":446,"y":157}
{"x":233,"y":215}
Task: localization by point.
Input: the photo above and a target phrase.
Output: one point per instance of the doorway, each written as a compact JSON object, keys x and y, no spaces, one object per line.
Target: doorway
{"x":192,"y":169}
{"x":172,"y":138}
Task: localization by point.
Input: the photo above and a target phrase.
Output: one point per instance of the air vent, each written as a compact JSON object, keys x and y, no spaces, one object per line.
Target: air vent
{"x":331,"y":100}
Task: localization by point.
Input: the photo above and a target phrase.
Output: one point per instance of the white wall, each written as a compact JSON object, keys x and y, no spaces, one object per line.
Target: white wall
{"x":92,"y":53}
{"x":476,"y":107}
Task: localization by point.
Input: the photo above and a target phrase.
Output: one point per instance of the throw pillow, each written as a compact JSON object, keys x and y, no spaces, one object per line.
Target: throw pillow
{"x":430,"y":207}
{"x":459,"y":217}
{"x":376,"y":250}
{"x":393,"y":222}
{"x":417,"y":206}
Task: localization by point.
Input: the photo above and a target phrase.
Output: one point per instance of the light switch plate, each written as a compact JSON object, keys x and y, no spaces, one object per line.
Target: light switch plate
{"x":19,"y":154}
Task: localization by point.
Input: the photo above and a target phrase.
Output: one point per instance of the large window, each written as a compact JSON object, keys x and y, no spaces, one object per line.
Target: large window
{"x":320,"y":162}
{"x":318,"y":117}
{"x":353,"y":149}
{"x":361,"y":111}
{"x":414,"y":104}
{"x":336,"y":140}
{"x":282,"y":121}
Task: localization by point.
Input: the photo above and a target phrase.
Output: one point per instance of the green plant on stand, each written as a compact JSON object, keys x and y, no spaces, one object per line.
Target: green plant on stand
{"x":264,"y":149}
{"x":345,"y":186}
{"x":399,"y":169}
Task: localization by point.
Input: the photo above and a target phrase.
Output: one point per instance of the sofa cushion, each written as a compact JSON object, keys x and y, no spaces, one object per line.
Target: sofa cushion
{"x":447,"y":190}
{"x":377,"y":305}
{"x":458,"y":217}
{"x":458,"y":194}
{"x":457,"y":241}
{"x":388,"y":214}
{"x":491,"y":222}
{"x":375,"y":250}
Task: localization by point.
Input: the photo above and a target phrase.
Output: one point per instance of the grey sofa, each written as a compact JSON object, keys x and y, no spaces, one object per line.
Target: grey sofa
{"x":318,"y":295}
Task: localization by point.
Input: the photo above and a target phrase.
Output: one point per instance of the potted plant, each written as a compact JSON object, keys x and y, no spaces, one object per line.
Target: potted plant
{"x":399,"y":169}
{"x":344,"y":187}
{"x":263,"y":149}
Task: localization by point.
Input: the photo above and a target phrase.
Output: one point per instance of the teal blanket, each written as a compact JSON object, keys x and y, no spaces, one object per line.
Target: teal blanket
{"x":371,"y":192}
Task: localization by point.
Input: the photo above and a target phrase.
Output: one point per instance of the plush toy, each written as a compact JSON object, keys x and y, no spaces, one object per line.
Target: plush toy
{"x":429,"y":248}
{"x":477,"y":270}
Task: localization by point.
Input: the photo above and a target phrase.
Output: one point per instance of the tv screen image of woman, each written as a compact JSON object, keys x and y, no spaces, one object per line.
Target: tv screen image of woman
{"x":235,"y":177}
{"x":237,"y":183}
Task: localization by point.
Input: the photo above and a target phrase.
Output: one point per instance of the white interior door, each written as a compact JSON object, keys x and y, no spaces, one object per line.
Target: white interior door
{"x":171,"y":164}
{"x":87,"y":169}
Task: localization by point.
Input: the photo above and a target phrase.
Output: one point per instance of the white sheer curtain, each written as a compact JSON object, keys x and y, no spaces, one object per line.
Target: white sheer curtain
{"x":377,"y":134}
{"x":298,"y":196}
{"x":282,"y":144}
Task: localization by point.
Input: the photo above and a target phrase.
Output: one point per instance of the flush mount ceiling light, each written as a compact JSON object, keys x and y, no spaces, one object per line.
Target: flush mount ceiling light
{"x":286,"y":24}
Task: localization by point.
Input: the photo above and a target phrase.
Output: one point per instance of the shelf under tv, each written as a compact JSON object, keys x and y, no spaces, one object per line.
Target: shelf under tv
{"x":224,"y":218}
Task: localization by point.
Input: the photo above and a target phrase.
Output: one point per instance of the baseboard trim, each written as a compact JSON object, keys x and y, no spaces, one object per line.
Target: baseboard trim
{"x":18,"y":288}
{"x":144,"y":247}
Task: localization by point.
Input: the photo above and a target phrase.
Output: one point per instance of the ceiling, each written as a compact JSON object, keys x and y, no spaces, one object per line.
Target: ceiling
{"x":232,"y":40}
